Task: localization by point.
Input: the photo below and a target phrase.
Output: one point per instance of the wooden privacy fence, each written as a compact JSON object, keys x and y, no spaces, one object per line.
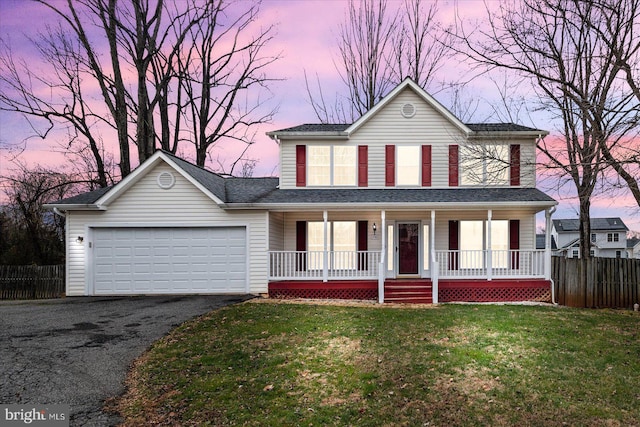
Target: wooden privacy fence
{"x":611,"y":282}
{"x":31,"y":281}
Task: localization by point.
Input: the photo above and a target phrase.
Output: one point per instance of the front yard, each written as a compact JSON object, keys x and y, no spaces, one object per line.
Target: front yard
{"x":290,"y":364}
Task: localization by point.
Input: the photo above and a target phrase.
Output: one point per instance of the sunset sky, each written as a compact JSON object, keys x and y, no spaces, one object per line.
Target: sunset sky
{"x":306,"y":37}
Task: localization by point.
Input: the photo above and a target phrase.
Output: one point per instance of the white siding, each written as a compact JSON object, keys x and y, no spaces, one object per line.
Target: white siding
{"x":527,"y":225}
{"x":145,"y":204}
{"x":290,"y":218}
{"x":276,"y":231}
{"x":389,"y":127}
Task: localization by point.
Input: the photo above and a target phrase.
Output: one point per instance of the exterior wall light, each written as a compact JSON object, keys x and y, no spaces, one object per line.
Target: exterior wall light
{"x":375,"y":227}
{"x":79,"y":239}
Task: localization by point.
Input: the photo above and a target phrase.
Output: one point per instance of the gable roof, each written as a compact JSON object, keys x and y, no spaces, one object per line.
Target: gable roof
{"x":631,"y":243}
{"x":217,"y":187}
{"x":344,"y":130}
{"x":411,"y":84}
{"x":567,"y":225}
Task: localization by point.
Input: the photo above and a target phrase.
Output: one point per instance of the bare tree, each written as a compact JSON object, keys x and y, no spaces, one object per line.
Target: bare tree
{"x":379,"y":45}
{"x":365,"y":52}
{"x":141,"y":93}
{"x":552,"y":44}
{"x":31,"y":234}
{"x":419,"y":45}
{"x":223,"y":73}
{"x":22,"y":93}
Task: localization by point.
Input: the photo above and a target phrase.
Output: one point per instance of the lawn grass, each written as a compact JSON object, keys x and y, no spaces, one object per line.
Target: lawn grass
{"x":288,"y":364}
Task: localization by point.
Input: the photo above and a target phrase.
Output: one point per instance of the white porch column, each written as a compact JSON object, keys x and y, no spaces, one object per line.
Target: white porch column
{"x":325,"y":258}
{"x":382,"y":268}
{"x":434,"y":263}
{"x":489,"y":250}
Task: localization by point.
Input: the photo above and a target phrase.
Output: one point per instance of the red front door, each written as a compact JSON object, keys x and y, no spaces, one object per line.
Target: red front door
{"x":408,"y":248}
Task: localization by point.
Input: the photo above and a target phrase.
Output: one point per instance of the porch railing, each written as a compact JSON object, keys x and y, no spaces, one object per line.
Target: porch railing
{"x":504,"y":264}
{"x":308,"y":265}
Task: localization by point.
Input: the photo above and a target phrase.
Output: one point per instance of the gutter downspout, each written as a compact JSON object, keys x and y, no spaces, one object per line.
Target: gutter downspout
{"x":59,"y":212}
{"x":547,"y":248}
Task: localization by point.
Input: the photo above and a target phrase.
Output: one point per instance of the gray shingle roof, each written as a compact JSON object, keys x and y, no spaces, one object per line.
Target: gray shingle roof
{"x":566,"y":225}
{"x":476,"y":127}
{"x":85,"y":198}
{"x":248,"y":190}
{"x":396,"y":195}
{"x":257,"y":191}
{"x":318,"y":127}
{"x":541,"y":241}
{"x":500,"y":127}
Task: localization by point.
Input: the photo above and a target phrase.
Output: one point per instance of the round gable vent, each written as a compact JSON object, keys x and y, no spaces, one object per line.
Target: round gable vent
{"x":166,"y":180}
{"x":408,"y":110}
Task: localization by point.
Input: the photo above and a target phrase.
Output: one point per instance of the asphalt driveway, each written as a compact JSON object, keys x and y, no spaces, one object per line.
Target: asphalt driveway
{"x":77,"y":351}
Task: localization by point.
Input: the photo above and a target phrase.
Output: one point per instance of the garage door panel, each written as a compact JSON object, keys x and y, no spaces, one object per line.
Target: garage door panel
{"x":169,"y":260}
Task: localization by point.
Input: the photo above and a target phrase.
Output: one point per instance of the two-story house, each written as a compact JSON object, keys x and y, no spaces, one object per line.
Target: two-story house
{"x":406,"y":204}
{"x":608,"y":237}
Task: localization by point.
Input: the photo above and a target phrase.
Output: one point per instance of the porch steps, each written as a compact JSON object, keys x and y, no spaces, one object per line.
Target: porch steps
{"x":408,"y":291}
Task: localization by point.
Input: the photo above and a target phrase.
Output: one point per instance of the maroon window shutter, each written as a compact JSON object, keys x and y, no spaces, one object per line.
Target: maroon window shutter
{"x":301,"y":166}
{"x":390,"y":165}
{"x":514,"y":242}
{"x":363,"y":165}
{"x":454,"y":245}
{"x":363,"y":244}
{"x":426,"y":166}
{"x":453,"y":166}
{"x":301,"y":245}
{"x":514,"y":161}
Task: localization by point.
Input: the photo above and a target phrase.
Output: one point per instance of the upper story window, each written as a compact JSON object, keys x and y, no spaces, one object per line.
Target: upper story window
{"x":613,"y":237}
{"x":593,"y":237}
{"x":331,"y":165}
{"x":408,"y":165}
{"x":484,"y":164}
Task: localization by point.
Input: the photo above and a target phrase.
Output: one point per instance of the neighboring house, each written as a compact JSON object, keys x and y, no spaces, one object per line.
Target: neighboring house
{"x":608,"y":237}
{"x":633,"y":248}
{"x":394,"y":207}
{"x":541,"y":242}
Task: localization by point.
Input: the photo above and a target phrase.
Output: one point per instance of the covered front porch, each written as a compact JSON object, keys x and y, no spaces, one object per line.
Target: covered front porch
{"x":408,"y":255}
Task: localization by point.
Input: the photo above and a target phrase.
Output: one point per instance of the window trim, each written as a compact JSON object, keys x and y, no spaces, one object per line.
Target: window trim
{"x":505,"y":170}
{"x":398,"y":166}
{"x":332,"y":165}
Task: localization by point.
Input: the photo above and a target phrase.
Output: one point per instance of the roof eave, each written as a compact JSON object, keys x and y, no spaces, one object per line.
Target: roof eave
{"x":75,"y":207}
{"x":389,"y":205}
{"x":307,"y":135}
{"x":508,"y":134}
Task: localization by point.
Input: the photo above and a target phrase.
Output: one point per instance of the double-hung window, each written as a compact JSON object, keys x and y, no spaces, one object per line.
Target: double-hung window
{"x":341,"y":242}
{"x":408,"y":165}
{"x":484,"y":164}
{"x":331,"y":165}
{"x":476,"y":241}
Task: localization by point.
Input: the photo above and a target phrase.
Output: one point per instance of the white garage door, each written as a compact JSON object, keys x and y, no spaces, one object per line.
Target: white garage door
{"x":169,"y":260}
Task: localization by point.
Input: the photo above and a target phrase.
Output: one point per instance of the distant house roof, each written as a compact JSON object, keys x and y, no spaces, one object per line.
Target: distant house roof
{"x":631,"y":243}
{"x":541,"y":242}
{"x":597,"y":224}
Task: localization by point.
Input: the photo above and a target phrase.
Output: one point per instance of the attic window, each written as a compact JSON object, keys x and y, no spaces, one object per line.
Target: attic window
{"x":166,"y":180}
{"x":408,"y":110}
